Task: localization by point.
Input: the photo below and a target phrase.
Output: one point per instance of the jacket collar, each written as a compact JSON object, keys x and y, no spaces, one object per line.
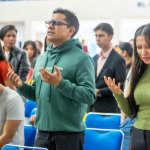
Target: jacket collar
{"x":106,"y":63}
{"x":14,"y":51}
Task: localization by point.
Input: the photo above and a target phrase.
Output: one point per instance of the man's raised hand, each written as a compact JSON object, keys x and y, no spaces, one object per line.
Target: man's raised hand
{"x":53,"y":79}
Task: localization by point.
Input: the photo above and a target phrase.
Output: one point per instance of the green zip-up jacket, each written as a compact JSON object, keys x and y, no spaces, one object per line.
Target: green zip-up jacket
{"x":62,"y":108}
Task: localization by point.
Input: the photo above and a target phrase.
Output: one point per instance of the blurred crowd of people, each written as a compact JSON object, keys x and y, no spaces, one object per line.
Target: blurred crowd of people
{"x":66,"y":82}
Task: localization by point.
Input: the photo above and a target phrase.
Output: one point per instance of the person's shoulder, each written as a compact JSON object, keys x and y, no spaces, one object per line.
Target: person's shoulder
{"x":95,"y":56}
{"x":12,"y":95}
{"x":20,"y":50}
{"x":4,"y":65}
{"x":34,"y":59}
{"x":42,"y":56}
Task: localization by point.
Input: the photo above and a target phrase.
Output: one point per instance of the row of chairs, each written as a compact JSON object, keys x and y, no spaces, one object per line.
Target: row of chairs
{"x":102,"y":131}
{"x":93,"y":120}
{"x":95,"y":139}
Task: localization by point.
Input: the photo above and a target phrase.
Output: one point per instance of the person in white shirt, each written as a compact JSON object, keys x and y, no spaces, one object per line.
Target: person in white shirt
{"x":11,"y":117}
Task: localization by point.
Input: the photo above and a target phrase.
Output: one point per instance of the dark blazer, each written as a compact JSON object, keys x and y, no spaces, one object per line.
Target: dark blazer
{"x":20,"y":62}
{"x":114,"y":67}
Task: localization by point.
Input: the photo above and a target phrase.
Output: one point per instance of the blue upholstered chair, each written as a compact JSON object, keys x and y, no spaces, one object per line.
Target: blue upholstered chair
{"x":103,"y":139}
{"x":29,"y":135}
{"x":29,"y":106}
{"x":103,"y":120}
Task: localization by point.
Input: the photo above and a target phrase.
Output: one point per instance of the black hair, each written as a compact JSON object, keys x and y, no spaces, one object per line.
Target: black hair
{"x":33,"y":45}
{"x":105,"y":27}
{"x":138,"y":67}
{"x":40,"y":43}
{"x":70,"y":19}
{"x":127,"y":47}
{"x":5,"y":29}
{"x":45,"y":45}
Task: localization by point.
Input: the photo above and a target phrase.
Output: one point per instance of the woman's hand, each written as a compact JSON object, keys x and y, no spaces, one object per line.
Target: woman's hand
{"x":111,"y":84}
{"x":14,"y":79}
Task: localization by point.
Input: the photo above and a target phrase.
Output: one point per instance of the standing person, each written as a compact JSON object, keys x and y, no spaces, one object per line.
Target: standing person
{"x":85,"y":49}
{"x":11,"y":117}
{"x":125,"y":50}
{"x":63,"y":92}
{"x":132,"y":43}
{"x":4,"y":66}
{"x":107,"y":63}
{"x":137,"y":102}
{"x":39,"y":45}
{"x":16,"y":56}
{"x":31,"y":50}
{"x":126,"y":122}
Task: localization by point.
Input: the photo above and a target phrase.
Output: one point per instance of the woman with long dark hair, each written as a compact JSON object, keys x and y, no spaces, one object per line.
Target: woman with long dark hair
{"x":125,"y":50}
{"x":137,"y":103}
{"x":4,"y":66}
{"x":30,"y":48}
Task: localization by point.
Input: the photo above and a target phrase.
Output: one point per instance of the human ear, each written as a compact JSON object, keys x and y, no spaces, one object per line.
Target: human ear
{"x":71,"y":31}
{"x":111,"y":37}
{"x":124,"y":53}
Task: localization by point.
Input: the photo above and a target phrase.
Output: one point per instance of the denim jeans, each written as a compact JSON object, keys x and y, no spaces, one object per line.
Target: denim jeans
{"x":125,"y":128}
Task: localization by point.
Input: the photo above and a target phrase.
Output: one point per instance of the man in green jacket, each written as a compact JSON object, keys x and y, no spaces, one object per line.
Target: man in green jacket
{"x":62,"y":93}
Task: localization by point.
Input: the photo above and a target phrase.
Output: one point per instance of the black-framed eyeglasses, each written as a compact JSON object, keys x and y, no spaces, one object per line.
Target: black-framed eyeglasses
{"x":55,"y":23}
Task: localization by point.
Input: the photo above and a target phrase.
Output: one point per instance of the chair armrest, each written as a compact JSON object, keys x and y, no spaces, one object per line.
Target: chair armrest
{"x":19,"y":146}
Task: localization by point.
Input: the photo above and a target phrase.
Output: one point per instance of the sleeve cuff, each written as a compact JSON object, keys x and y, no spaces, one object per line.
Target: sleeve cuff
{"x":118,"y":97}
{"x":61,"y":84}
{"x":22,"y":89}
{"x":99,"y":93}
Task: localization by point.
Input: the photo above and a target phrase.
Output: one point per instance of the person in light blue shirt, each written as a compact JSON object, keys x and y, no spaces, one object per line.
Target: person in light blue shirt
{"x":126,"y":122}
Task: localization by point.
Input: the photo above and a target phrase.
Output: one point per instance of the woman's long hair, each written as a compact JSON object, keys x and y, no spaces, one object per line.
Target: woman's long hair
{"x":33,"y":45}
{"x":2,"y":54}
{"x":138,"y":67}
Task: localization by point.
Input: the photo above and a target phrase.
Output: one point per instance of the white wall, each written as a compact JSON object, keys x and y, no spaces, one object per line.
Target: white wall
{"x":121,"y":13}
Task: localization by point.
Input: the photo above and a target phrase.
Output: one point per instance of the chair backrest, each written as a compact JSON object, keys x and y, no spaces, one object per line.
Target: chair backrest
{"x":10,"y":148}
{"x":103,"y":120}
{"x":29,"y":106}
{"x":102,"y":139}
{"x":29,"y":134}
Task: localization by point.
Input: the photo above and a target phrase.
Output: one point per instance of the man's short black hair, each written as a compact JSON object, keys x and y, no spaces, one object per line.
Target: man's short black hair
{"x":71,"y":18}
{"x":5,"y":29}
{"x":40,"y":43}
{"x":105,"y":27}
